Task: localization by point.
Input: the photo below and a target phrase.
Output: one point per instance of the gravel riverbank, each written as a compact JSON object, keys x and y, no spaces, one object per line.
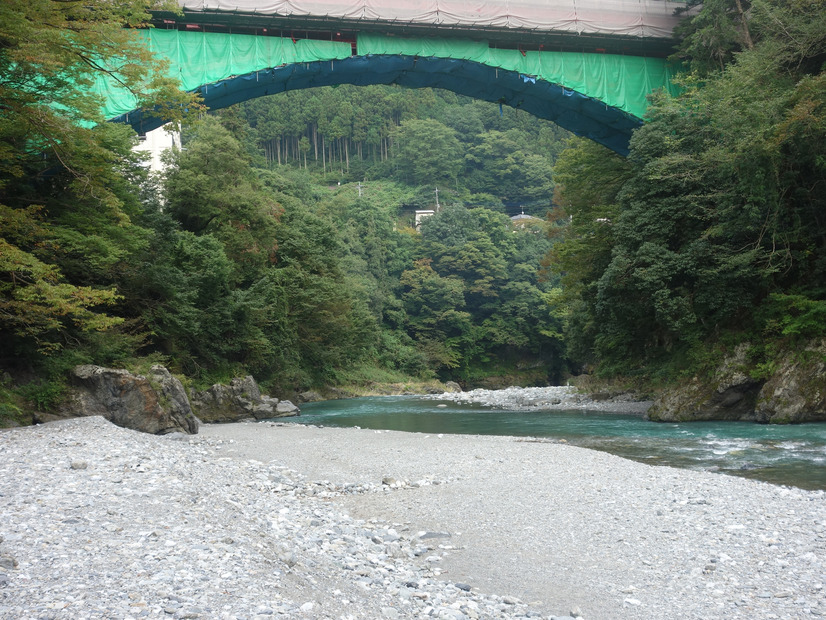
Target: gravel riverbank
{"x":265,"y":520}
{"x":545,"y":398}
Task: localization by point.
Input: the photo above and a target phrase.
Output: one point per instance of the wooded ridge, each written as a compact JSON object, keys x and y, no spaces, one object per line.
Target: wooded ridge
{"x":280,"y":241}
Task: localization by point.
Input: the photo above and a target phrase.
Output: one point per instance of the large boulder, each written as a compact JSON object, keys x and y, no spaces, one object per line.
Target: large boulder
{"x":310,"y":396}
{"x":173,"y":397}
{"x":240,"y":400}
{"x":157,"y":404}
{"x":796,"y":391}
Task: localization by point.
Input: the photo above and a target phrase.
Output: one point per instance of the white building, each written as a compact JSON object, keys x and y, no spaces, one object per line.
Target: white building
{"x":155,"y":142}
{"x":421,"y":214}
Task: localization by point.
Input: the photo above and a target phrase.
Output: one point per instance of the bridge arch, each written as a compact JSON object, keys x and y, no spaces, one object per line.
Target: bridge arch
{"x":598,"y":96}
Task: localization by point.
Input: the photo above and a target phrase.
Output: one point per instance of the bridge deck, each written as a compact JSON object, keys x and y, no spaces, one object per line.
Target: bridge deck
{"x":615,"y":26}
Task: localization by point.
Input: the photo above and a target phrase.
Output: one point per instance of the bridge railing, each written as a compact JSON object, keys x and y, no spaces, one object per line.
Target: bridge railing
{"x":633,"y":18}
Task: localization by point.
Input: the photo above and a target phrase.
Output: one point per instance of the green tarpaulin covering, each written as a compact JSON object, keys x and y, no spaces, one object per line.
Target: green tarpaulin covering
{"x":198,"y":58}
{"x":622,"y":82}
{"x":202,"y":58}
{"x":599,"y":96}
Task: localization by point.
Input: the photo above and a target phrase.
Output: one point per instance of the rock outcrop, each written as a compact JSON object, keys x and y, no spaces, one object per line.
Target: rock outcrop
{"x":730,"y":395}
{"x":240,"y":400}
{"x":452,"y":387}
{"x":794,"y":392}
{"x":156,"y":404}
{"x":310,"y":396}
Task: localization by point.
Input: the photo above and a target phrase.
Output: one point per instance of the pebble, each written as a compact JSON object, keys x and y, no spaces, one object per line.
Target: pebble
{"x":177,"y":528}
{"x":171,"y":528}
{"x":541,"y":398}
{"x":8,"y":563}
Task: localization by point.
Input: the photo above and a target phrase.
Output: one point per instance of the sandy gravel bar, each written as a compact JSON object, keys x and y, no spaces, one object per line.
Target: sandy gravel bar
{"x":567,"y":528}
{"x":286,"y":521}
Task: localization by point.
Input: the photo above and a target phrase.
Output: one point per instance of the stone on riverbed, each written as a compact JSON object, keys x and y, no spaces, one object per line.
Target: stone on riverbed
{"x":159,"y":528}
{"x":156,"y":404}
{"x":240,"y":400}
{"x":286,"y":408}
{"x":544,"y":398}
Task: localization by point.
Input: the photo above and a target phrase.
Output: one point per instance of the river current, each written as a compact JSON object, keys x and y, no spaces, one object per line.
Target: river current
{"x":793,"y":455}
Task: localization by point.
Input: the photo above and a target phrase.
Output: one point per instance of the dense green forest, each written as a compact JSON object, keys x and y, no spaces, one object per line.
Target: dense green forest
{"x":321,"y":275}
{"x":280,"y":240}
{"x":471,"y":150}
{"x":713,"y":231}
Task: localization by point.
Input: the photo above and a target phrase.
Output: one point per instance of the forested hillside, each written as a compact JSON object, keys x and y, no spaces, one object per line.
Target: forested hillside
{"x":280,"y":242}
{"x":713,"y":231}
{"x":474,"y":152}
{"x":320,"y":275}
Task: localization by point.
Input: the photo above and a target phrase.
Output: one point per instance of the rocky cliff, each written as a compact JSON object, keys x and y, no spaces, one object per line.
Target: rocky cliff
{"x":795,"y":390}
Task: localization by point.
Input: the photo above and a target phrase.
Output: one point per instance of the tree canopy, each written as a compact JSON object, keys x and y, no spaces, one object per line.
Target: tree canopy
{"x":278,"y":240}
{"x":715,"y":225}
{"x":65,"y":193}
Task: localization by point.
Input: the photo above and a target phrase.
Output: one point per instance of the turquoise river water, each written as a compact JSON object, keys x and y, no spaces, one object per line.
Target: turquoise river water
{"x":793,"y":454}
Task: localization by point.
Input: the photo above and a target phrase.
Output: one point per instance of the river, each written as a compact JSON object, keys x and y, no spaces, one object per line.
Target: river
{"x":793,"y":454}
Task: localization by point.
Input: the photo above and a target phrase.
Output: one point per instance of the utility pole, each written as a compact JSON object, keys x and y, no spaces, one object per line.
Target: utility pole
{"x":360,"y":186}
{"x":437,"y":200}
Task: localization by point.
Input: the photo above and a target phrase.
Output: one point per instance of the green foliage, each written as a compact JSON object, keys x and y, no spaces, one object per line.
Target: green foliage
{"x":716,"y":32}
{"x":261,"y":257}
{"x":68,"y":183}
{"x":12,"y":405}
{"x":794,"y":316}
{"x":589,"y":179}
{"x":427,"y":153}
{"x":434,"y":305}
{"x":476,"y":290}
{"x":44,"y":395}
{"x":327,"y":325}
{"x":211,"y":189}
{"x":715,"y":225}
{"x":36,"y":305}
{"x":499,"y":166}
{"x":10,"y":414}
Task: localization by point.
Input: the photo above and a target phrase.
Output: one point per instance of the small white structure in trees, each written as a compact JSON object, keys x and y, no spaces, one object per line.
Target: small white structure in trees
{"x":421,"y":215}
{"x":157,"y":141}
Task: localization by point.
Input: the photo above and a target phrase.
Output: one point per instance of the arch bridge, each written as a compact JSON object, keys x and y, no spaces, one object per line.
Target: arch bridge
{"x":587,"y":65}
